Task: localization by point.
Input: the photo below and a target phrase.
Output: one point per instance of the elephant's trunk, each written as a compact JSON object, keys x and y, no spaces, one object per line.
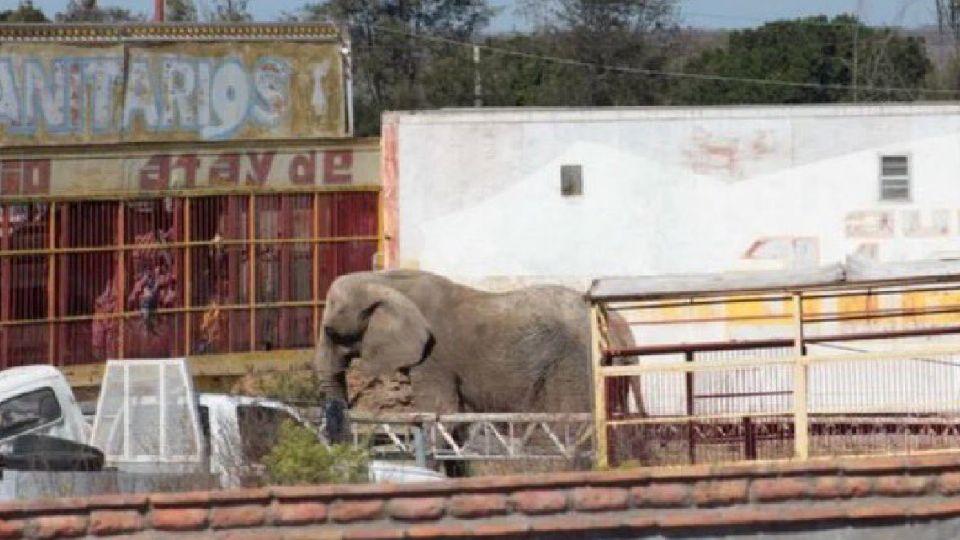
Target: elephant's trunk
{"x":334,"y":386}
{"x":331,"y":368}
{"x":330,"y":362}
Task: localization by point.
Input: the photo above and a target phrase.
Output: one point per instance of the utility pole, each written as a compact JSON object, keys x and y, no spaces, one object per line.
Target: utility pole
{"x":158,"y":10}
{"x":856,"y":57}
{"x":856,"y":52}
{"x":477,"y":86}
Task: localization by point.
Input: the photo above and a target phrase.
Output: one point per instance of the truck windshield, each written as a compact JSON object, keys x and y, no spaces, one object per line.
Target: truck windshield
{"x":27,"y":411}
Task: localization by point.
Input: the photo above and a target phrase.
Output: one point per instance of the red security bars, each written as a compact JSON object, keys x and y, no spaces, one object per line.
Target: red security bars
{"x":88,"y":294}
{"x":284,"y":256}
{"x":153,"y":279}
{"x":296,"y":282}
{"x":218,"y":274}
{"x":84,"y":281}
{"x":23,"y":274}
{"x":350,"y":219}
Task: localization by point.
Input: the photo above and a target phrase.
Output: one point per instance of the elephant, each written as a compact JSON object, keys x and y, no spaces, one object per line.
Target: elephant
{"x":464,"y":350}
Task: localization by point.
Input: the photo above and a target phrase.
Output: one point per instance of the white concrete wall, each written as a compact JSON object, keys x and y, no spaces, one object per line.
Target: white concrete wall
{"x":669,"y":190}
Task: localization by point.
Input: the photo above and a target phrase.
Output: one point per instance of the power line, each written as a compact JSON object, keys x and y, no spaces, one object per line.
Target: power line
{"x":668,"y":74}
{"x":916,"y":32}
{"x":810,"y":20}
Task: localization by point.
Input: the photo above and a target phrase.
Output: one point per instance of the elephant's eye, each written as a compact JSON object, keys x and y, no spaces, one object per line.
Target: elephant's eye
{"x":339,"y":339}
{"x":369,"y":310}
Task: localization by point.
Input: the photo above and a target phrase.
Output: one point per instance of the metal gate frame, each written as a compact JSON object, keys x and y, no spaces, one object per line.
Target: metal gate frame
{"x":608,"y":297}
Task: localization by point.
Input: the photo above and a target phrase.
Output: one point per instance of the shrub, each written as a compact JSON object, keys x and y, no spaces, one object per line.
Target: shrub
{"x":300,"y":458}
{"x":298,"y":387}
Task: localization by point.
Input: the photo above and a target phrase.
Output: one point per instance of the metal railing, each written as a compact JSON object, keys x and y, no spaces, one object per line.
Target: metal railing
{"x":799,"y":374}
{"x":476,"y":436}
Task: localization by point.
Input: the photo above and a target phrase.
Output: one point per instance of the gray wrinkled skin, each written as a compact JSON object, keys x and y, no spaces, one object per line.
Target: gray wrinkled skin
{"x":465,"y":350}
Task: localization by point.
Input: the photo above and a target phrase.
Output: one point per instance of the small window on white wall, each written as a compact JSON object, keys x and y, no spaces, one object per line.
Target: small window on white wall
{"x":894,"y":178}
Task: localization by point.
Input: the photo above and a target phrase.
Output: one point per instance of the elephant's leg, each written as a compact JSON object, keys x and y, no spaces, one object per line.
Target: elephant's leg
{"x":437,"y":393}
{"x":434,"y":391}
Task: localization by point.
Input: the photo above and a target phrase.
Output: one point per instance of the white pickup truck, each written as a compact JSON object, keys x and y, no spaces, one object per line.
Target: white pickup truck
{"x":149,"y":421}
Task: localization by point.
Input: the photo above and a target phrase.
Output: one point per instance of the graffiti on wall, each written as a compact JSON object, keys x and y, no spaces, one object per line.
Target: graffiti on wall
{"x":793,"y":251}
{"x":871,"y":229}
{"x":735,"y":154}
{"x":867,"y":230}
{"x":197,"y":91}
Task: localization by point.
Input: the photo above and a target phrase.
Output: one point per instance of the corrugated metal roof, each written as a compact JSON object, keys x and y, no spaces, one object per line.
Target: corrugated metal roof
{"x":855,"y":272}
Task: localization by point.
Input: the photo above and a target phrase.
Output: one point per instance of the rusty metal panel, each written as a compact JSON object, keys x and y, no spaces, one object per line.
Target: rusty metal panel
{"x":57,"y":94}
{"x":82,"y":281}
{"x":24,"y":283}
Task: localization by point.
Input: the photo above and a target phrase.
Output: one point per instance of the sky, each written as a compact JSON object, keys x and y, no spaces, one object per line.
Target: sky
{"x":700,"y":13}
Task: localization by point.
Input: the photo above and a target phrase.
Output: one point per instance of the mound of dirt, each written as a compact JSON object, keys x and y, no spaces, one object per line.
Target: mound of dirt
{"x":390,"y":393}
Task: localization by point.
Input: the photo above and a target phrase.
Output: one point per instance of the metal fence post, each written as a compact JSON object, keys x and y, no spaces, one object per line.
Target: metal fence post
{"x":801,"y":424}
{"x":691,"y":424}
{"x":419,"y":446}
{"x":599,"y":389}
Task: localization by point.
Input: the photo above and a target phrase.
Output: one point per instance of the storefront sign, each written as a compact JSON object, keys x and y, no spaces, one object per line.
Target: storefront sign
{"x":54,"y":93}
{"x":275,"y":168}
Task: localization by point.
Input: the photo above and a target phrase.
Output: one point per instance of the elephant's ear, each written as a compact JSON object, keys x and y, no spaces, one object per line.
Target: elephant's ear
{"x":397,"y":333}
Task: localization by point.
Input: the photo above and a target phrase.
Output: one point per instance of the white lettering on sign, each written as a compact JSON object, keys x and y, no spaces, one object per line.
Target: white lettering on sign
{"x":212,"y":97}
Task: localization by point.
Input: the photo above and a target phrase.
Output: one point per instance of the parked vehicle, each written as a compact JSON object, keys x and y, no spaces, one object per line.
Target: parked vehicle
{"x":149,"y":421}
{"x":36,"y":400}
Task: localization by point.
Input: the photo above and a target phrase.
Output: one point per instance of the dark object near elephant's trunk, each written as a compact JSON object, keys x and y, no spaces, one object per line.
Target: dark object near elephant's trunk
{"x":336,"y":429}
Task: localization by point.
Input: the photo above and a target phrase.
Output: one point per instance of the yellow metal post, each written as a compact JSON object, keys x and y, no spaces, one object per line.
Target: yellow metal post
{"x":121,"y":276}
{"x":251,"y":234}
{"x":599,"y":388}
{"x":187,"y":277}
{"x":315,"y":265}
{"x":801,"y":422}
{"x":381,"y":256}
{"x":51,"y":282}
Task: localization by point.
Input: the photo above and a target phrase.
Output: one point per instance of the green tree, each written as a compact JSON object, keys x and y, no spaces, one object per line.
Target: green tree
{"x":25,"y":13}
{"x":230,"y":11}
{"x":948,"y":17}
{"x":830,"y":53}
{"x":393,"y":69}
{"x":519,"y":81}
{"x":89,"y":11}
{"x":605,"y":33}
{"x":572,"y":56}
{"x":180,"y":11}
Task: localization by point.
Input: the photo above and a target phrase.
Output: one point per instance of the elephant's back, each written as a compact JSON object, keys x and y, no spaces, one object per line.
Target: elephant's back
{"x":552,"y":303}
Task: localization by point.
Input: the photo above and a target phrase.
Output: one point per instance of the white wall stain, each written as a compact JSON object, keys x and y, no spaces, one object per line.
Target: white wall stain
{"x":319,"y":99}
